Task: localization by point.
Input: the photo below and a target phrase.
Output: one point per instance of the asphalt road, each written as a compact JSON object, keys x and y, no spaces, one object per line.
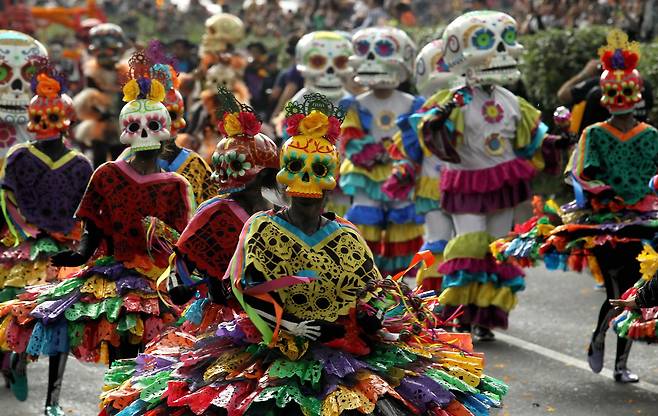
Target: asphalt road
{"x":542,"y":357}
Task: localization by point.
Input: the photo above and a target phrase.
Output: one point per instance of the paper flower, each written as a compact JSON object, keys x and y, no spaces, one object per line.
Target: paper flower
{"x":47,"y":87}
{"x":315,"y":124}
{"x":249,"y":122}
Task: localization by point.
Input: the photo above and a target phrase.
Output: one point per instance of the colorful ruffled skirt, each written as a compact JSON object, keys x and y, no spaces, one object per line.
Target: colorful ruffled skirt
{"x":103,"y":305}
{"x":230,"y":371}
{"x":27,"y":264}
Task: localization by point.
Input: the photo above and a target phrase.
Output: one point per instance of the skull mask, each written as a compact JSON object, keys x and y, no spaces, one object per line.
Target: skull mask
{"x":106,"y":44}
{"x":176,"y":108}
{"x":222,"y":29}
{"x":220,"y":75}
{"x":308,"y":166}
{"x":322,"y":58}
{"x":383,"y":57}
{"x":17,"y":67}
{"x":50,"y":117}
{"x":432,"y":73}
{"x":621,"y":84}
{"x":237,"y":160}
{"x":144,"y":124}
{"x":482,"y":46}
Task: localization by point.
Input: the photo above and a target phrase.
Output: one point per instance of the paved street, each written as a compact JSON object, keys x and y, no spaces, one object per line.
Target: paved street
{"x":542,"y":356}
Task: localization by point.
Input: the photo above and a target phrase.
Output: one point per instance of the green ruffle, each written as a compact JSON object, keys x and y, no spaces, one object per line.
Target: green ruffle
{"x":62,"y":289}
{"x":354,"y":183}
{"x":127,"y":322}
{"x":448,"y":381}
{"x":425,"y":205}
{"x":470,"y":245}
{"x":9,"y":293}
{"x":120,"y":371}
{"x":385,"y":357}
{"x":105,"y":261}
{"x":153,"y":387}
{"x":493,"y":385}
{"x":284,"y":395}
{"x":111,"y":307}
{"x":306,"y":370}
{"x":45,"y":247}
{"x":76,"y":331}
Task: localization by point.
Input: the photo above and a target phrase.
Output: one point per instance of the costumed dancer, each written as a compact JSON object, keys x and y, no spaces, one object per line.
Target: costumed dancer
{"x":614,"y":210}
{"x":491,"y":143}
{"x":246,"y":162}
{"x":220,"y":66}
{"x":99,"y":103}
{"x":381,"y":189}
{"x":19,"y":54}
{"x":322,"y":59}
{"x":431,"y":75}
{"x":174,"y":158}
{"x":132,"y":214}
{"x":42,"y":184}
{"x":318,"y":332}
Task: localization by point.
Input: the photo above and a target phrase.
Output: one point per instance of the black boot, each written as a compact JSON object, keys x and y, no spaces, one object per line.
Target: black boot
{"x":56,"y":368}
{"x":483,"y":334}
{"x":622,"y":374}
{"x":596,"y":352}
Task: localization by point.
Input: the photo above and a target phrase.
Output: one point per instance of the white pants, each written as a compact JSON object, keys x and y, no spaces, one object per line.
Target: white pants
{"x":497,"y":223}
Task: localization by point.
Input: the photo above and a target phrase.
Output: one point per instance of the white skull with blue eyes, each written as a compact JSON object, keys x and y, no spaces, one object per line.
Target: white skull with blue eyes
{"x":482,"y":46}
{"x":432,"y":73}
{"x":383,"y":57}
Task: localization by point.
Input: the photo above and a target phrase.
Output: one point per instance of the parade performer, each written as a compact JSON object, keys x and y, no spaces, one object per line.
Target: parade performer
{"x":322,"y":59}
{"x":381,"y":190}
{"x":491,"y":143}
{"x":614,"y":210}
{"x":245,"y":162}
{"x":99,"y":103}
{"x":18,"y":56}
{"x":431,"y":75}
{"x":42,"y":184}
{"x":174,"y":158}
{"x":318,"y":332}
{"x":132,"y":213}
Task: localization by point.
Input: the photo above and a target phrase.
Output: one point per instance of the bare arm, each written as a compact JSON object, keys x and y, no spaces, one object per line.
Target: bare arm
{"x":564,"y":93}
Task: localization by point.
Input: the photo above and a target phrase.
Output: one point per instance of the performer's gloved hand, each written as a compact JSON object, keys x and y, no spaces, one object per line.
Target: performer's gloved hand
{"x":68,"y":258}
{"x":369,"y":323}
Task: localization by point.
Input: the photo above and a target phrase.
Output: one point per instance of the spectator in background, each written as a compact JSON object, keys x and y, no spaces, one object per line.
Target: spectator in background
{"x":182,"y":49}
{"x":376,"y":15}
{"x":404,"y":15}
{"x":288,"y":82}
{"x":259,"y":75}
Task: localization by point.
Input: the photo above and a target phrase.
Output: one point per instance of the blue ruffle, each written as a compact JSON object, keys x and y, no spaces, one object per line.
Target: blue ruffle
{"x":136,"y":408}
{"x":355,"y":146}
{"x":409,"y":136}
{"x":529,"y":151}
{"x":436,"y":247}
{"x":556,"y":261}
{"x":365,"y":215}
{"x":464,"y":278}
{"x":194,"y":313}
{"x":365,"y":117}
{"x":49,"y":339}
{"x":392,"y":264}
{"x":522,"y":248}
{"x":406,"y":215}
{"x":355,"y":183}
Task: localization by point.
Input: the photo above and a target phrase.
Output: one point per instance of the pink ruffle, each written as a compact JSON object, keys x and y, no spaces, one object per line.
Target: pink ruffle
{"x":369,"y":155}
{"x":487,"y":180}
{"x":505,"y":271}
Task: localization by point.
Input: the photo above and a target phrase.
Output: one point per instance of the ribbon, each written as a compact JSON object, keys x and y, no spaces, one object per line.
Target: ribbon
{"x":425,"y":256}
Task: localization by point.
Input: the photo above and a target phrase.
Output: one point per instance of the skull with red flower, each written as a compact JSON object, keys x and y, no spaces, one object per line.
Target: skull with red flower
{"x":244,"y":151}
{"x":621,"y":84}
{"x":309,"y":158}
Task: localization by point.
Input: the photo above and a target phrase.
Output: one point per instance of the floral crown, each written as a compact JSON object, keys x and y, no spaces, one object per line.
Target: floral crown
{"x":150,"y":74}
{"x":316,"y":117}
{"x":619,"y":53}
{"x":46,"y":82}
{"x":236,"y":119}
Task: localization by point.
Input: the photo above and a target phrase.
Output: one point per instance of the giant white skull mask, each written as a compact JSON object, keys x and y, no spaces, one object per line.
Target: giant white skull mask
{"x":144,"y":124}
{"x":383,"y":57}
{"x":432,"y":73}
{"x":322,"y":58}
{"x":482,"y":46}
{"x":17,"y":67}
{"x":222,"y":29}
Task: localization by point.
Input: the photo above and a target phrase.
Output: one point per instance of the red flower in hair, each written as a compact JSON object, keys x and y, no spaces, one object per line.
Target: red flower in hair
{"x":334,"y":129}
{"x":250,"y":123}
{"x":220,"y":127}
{"x":292,"y":124}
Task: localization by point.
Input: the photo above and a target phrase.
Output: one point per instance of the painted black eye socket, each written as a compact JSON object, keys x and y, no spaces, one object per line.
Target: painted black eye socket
{"x":36,"y":119}
{"x":612,"y":93}
{"x":133,"y":127}
{"x":320,"y":169}
{"x":627,"y":91}
{"x":295,"y":166}
{"x":236,"y":165}
{"x":173,"y":115}
{"x":154,"y":125}
{"x":53,"y":118}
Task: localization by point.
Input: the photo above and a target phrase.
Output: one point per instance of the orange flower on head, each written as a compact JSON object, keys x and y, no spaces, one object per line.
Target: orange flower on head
{"x":47,"y":86}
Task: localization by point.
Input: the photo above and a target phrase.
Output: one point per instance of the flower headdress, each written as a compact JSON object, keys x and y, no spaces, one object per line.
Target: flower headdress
{"x":150,"y":74}
{"x":619,"y":54}
{"x":316,"y":117}
{"x":236,"y":119}
{"x":46,"y":82}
